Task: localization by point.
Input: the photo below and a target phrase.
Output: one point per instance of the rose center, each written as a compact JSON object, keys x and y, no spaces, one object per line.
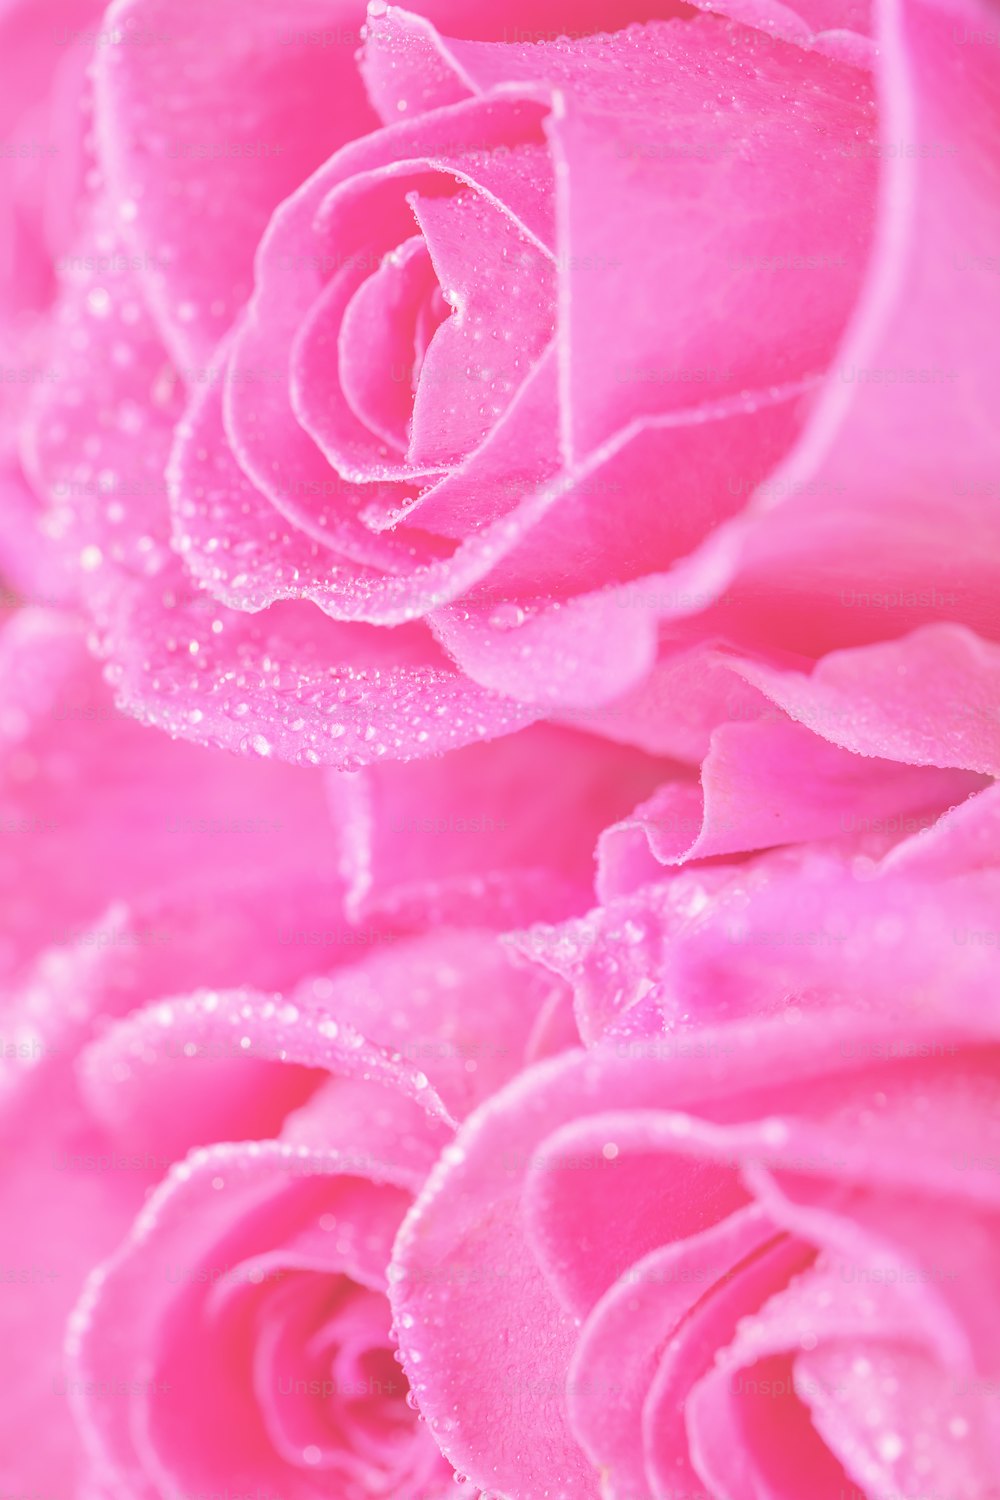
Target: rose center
{"x":433,"y":312}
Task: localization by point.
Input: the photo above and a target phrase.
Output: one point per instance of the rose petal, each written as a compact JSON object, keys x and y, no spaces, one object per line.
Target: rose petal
{"x":417,"y":1003}
{"x":379,"y":333}
{"x":591,"y":530}
{"x":58,"y":1221}
{"x":663,"y":195}
{"x":321,"y":406}
{"x":466,"y":1234}
{"x":175,"y":127}
{"x":718,"y":942}
{"x":844,"y":1389}
{"x":426,"y":839}
{"x":672,"y":1446}
{"x":296,"y":259}
{"x":622,"y":1341}
{"x":149,"y":1298}
{"x":867,"y":699}
{"x":765,"y":784}
{"x":964,"y":838}
{"x":748,"y":1431}
{"x":690,"y":691}
{"x":228,"y":683}
{"x":44,"y":46}
{"x":503,"y":319}
{"x":78,"y":835}
{"x":618,"y":957}
{"x":845,"y":546}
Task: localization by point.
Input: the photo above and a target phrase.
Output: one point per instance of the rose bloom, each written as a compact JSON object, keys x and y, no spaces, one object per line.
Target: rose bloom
{"x":375,"y":386}
{"x":242,"y":1012}
{"x":422,"y":375}
{"x":746,"y":1243}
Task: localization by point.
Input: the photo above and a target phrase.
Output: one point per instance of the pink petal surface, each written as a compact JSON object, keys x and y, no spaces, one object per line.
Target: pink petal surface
{"x":175,"y":128}
{"x":788,"y":930}
{"x":43,"y":122}
{"x":507,"y":294}
{"x":321,"y":406}
{"x":64,"y":736}
{"x":96,"y":810}
{"x":907,"y":384}
{"x":963,"y":839}
{"x":653,"y":183}
{"x":427,"y":839}
{"x":245,"y":684}
{"x":473,"y":1205}
{"x":666,"y":192}
{"x":672,"y":1446}
{"x":362,"y":1128}
{"x":57,"y":1224}
{"x":926,"y":699}
{"x":267,"y":438}
{"x":748,"y":1431}
{"x":573,"y":652}
{"x":691,"y":690}
{"x":414,"y":1001}
{"x":223,"y":523}
{"x":621,"y":1342}
{"x":379,"y":331}
{"x":368,"y":444}
{"x":765,"y":784}
{"x":909,"y":1393}
{"x":468,"y":1232}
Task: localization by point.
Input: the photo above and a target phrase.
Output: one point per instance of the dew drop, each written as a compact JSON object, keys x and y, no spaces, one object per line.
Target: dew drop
{"x":507,"y":617}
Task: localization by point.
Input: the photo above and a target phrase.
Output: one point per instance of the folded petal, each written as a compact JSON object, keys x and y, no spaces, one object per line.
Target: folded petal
{"x":764,"y":784}
{"x":926,"y":699}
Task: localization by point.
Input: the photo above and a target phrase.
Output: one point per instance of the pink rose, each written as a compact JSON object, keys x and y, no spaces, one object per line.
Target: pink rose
{"x":747,"y":1244}
{"x":424,"y":375}
{"x":241,"y":1335}
{"x":598,"y":392}
{"x":243,"y":1011}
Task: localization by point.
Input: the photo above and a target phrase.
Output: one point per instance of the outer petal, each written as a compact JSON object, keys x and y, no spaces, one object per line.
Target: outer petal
{"x":175,"y":127}
{"x":963,"y":839}
{"x":622,"y":1341}
{"x":293,"y":685}
{"x":667,"y":180}
{"x":545,"y":1147}
{"x":519,"y":815}
{"x":748,"y":1430}
{"x":764,"y":784}
{"x":782,"y":934}
{"x":570,"y":638}
{"x":57,"y":1223}
{"x":45,"y":47}
{"x":926,"y":699}
{"x":418,"y":1000}
{"x":664,"y":169}
{"x":885,"y":516}
{"x":468,"y":1234}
